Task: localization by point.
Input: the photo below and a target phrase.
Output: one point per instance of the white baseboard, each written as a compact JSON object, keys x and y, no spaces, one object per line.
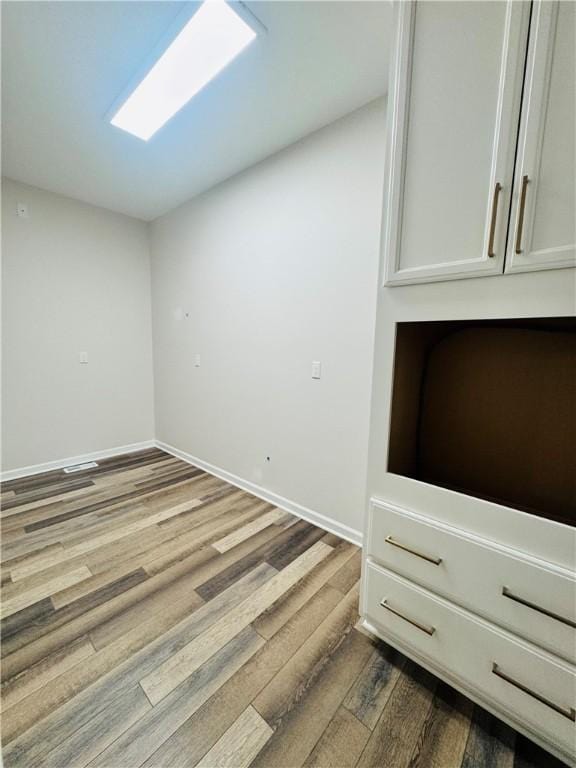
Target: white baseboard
{"x":332,"y":526}
{"x":48,"y":466}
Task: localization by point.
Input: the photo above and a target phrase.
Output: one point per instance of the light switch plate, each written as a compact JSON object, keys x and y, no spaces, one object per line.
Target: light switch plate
{"x":83,"y":358}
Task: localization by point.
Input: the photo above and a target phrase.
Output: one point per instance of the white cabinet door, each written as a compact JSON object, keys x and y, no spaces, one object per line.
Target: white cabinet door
{"x":543,"y":231}
{"x":454,"y":107}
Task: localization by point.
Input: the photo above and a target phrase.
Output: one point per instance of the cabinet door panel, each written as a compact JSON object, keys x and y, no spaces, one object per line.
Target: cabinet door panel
{"x":455,"y":102}
{"x":544,"y":205}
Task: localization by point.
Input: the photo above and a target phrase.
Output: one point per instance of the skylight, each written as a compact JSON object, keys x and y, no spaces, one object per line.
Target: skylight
{"x":212,"y":38}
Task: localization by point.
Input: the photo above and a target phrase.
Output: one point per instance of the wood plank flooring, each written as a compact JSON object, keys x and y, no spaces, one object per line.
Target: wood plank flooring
{"x":156,"y":616}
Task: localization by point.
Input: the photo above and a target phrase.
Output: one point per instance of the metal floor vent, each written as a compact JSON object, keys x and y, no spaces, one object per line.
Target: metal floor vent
{"x":80,"y":467}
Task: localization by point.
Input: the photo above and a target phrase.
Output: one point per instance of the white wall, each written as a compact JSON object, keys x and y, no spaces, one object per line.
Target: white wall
{"x":265,"y":273}
{"x":75,"y":278}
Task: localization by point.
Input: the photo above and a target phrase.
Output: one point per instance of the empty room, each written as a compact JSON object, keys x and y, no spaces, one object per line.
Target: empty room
{"x":288,"y":447}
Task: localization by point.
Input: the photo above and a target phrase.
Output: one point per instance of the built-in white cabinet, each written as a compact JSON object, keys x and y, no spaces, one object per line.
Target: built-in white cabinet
{"x":528,"y":687}
{"x":480,"y":181}
{"x":493,"y":621}
{"x":481,"y":96}
{"x":543,"y":220}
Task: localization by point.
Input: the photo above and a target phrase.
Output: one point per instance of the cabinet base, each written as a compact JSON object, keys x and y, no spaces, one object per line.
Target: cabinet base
{"x":482,"y":701}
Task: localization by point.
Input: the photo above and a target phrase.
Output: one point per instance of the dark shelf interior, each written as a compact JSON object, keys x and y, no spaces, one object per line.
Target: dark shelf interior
{"x":488,"y":408}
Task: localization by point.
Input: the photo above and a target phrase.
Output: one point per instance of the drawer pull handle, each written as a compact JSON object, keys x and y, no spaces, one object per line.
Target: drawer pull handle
{"x":497,"y":190}
{"x":570,"y":713}
{"x":507,"y":593}
{"x":423,"y":627}
{"x":525,"y":182}
{"x":434,"y":560}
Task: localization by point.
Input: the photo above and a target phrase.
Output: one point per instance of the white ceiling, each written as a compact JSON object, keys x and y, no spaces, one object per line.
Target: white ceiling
{"x":64,"y":64}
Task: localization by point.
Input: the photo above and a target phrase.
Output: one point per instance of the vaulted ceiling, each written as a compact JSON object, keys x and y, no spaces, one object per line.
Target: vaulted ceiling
{"x":64,"y":64}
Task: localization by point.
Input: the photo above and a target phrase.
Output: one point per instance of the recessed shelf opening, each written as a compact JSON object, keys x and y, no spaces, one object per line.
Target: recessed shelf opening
{"x":488,"y":408}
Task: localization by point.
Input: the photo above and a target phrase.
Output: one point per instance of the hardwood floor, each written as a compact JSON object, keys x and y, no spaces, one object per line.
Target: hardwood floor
{"x":155,"y":616}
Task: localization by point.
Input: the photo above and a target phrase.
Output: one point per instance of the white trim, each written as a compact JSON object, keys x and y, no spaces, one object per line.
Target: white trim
{"x":343,"y":531}
{"x":48,"y":466}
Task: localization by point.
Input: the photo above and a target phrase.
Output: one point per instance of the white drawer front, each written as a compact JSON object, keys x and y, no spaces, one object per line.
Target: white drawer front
{"x":539,"y":692}
{"x":537,"y":603}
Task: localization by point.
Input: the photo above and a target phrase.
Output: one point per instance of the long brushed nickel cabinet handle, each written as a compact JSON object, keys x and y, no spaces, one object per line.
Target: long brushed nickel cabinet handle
{"x":495,"y":199}
{"x":428,"y":558}
{"x":422,"y":627}
{"x":568,"y":712}
{"x":507,"y":593}
{"x":525,"y":182}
